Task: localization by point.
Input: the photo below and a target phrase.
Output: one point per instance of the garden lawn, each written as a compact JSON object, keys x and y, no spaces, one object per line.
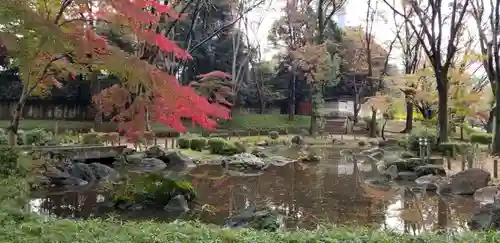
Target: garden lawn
{"x":239,"y":122}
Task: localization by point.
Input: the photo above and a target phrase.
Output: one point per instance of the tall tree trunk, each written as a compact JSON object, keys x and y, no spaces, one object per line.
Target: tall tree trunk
{"x":443,"y":109}
{"x":291,"y":98}
{"x":14,"y":122}
{"x":409,"y":117}
{"x":491,"y":118}
{"x":373,"y":124}
{"x":495,"y":150}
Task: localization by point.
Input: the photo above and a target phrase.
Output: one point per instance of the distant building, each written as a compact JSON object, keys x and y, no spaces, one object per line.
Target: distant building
{"x":341,"y":17}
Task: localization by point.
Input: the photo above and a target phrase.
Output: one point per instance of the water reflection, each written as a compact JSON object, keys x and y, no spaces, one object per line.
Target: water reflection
{"x":329,"y":192}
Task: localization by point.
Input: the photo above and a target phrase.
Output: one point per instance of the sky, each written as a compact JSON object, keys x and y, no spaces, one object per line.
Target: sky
{"x":355,"y":11}
{"x":354,"y":16}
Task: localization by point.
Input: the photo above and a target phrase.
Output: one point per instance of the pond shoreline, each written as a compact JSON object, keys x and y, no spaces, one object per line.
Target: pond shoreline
{"x":19,"y":225}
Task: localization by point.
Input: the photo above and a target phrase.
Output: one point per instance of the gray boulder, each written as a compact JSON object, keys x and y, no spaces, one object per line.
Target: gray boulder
{"x":467,"y":182}
{"x":489,"y":194}
{"x":104,"y":172}
{"x":244,"y":162}
{"x":82,"y":171}
{"x":429,"y":182}
{"x":177,"y":204}
{"x":486,"y":217}
{"x":430,"y":169}
{"x":151,"y":164}
{"x":177,"y":159}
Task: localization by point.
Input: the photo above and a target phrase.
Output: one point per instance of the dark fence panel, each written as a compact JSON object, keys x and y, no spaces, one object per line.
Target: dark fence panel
{"x":42,"y":110}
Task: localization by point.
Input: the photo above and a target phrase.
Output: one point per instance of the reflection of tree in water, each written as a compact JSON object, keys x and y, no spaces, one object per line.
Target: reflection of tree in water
{"x":69,"y":204}
{"x":423,"y":212}
{"x":307,"y":196}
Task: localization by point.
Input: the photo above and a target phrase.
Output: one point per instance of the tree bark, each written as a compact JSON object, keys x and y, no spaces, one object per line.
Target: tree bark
{"x":409,"y":118}
{"x":373,"y":124}
{"x":489,"y":123}
{"x":16,"y":117}
{"x":443,"y":110}
{"x":291,"y":99}
{"x":495,"y":149}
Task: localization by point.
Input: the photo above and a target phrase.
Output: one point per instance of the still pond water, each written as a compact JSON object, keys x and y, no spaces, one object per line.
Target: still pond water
{"x":329,"y":192}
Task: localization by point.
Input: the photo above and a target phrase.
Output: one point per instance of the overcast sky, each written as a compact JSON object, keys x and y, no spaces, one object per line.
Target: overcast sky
{"x":355,"y":10}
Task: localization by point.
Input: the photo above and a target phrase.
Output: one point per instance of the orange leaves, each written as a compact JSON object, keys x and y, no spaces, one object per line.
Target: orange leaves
{"x":315,"y":61}
{"x":215,"y":74}
{"x":164,"y":44}
{"x":146,"y":94}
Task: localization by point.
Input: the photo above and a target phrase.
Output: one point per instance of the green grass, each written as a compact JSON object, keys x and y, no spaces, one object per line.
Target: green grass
{"x":266,"y":122}
{"x":244,"y":122}
{"x":18,"y":225}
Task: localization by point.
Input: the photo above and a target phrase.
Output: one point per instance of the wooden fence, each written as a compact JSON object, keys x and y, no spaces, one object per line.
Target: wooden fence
{"x":42,"y":110}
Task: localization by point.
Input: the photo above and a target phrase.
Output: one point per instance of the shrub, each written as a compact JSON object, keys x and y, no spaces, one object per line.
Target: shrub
{"x":222,"y":147}
{"x":152,"y":189}
{"x":184,"y":143}
{"x":216,"y":145}
{"x":9,"y":158}
{"x":198,"y":144}
{"x":274,"y":135}
{"x":37,"y":137}
{"x":416,"y":134}
{"x":481,"y":138}
{"x":454,"y":148}
{"x":4,"y":139}
{"x":91,"y":138}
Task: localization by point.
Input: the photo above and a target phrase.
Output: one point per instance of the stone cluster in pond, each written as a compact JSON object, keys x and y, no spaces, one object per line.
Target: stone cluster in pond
{"x":264,"y":218}
{"x":432,"y":177}
{"x":76,"y":174}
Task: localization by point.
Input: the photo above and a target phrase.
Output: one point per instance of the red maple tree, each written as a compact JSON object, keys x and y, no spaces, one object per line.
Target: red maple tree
{"x":145,"y":93}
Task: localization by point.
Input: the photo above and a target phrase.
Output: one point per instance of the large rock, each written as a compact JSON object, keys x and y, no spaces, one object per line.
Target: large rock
{"x":486,"y":218}
{"x":429,"y":182}
{"x":407,"y":176}
{"x":298,"y":140}
{"x":177,"y":204}
{"x":152,"y":164}
{"x":104,"y":172}
{"x":404,"y":164}
{"x":155,"y":152}
{"x":244,"y":162}
{"x":82,"y":171}
{"x":430,"y":170}
{"x":278,"y":160}
{"x":263,"y":219}
{"x":467,"y":182}
{"x":177,"y":159}
{"x":489,"y":194}
{"x":259,"y":152}
{"x":62,"y":178}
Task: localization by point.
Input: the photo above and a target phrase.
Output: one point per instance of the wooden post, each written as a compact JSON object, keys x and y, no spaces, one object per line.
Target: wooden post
{"x":166,"y":143}
{"x":448,"y":160}
{"x":463,"y":162}
{"x":470,"y":162}
{"x":495,"y":168}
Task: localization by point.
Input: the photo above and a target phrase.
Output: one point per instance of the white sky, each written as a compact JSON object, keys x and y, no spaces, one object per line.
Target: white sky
{"x":384,"y":30}
{"x":355,"y":11}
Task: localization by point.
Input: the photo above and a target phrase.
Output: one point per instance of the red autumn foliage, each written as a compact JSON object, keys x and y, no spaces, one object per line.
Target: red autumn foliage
{"x":161,"y":96}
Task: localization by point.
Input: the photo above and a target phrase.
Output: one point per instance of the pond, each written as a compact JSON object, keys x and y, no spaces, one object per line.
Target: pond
{"x":331,"y":191}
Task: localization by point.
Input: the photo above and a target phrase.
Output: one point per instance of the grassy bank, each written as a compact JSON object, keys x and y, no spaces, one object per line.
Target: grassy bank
{"x":244,"y":122}
{"x":18,"y":225}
